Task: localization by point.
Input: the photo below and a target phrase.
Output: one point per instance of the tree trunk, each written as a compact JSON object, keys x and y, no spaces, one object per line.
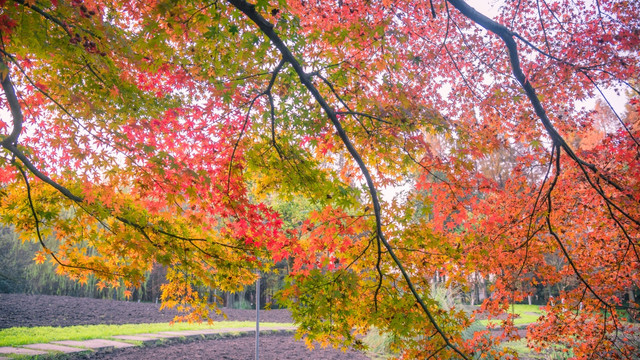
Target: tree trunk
{"x":229,"y":300}
{"x":483,"y":289}
{"x":632,"y":300}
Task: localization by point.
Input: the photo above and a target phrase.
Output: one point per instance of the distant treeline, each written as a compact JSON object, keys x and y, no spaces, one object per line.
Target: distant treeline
{"x":20,"y":274}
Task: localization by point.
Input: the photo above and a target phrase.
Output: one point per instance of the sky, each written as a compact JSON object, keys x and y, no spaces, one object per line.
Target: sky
{"x":486,"y":7}
{"x":490,"y":9}
{"x":618,"y":100}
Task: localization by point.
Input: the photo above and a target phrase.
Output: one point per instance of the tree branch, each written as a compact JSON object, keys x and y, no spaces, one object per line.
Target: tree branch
{"x":267,"y":28}
{"x":14,"y":106}
{"x":507,"y":37}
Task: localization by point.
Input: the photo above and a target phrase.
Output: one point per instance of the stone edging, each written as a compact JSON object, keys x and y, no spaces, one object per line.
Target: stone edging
{"x":78,"y":349}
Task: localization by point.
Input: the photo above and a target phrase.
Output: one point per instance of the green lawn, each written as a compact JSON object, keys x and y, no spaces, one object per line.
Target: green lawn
{"x":527,"y":314}
{"x":555,"y":352}
{"x":44,"y":334}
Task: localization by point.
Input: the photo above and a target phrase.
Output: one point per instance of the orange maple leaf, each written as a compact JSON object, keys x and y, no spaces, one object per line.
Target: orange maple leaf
{"x":39,"y":258}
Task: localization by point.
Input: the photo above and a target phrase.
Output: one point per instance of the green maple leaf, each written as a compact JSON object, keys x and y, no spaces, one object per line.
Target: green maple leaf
{"x":212,"y":33}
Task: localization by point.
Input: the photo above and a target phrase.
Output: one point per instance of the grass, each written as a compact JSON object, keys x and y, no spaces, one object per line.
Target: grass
{"x":554,"y":353}
{"x":527,"y":314}
{"x":520,"y":346}
{"x":44,"y":334}
{"x":379,"y":342}
{"x":378,"y":345}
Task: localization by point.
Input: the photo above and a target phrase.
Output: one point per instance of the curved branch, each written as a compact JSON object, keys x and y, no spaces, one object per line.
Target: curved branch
{"x":235,"y":146}
{"x":346,"y":106}
{"x":65,"y":26}
{"x":40,"y":175}
{"x":267,"y":28}
{"x":624,"y":125}
{"x":555,"y":235}
{"x":14,"y":106}
{"x":357,"y":113}
{"x":274,"y":75}
{"x":36,"y":219}
{"x":507,"y":37}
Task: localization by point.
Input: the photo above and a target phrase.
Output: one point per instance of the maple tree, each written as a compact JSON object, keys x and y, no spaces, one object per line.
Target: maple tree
{"x":138,"y":133}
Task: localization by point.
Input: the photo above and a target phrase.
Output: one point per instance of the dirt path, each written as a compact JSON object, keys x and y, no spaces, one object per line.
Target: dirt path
{"x":272,"y":347}
{"x":43,"y":310}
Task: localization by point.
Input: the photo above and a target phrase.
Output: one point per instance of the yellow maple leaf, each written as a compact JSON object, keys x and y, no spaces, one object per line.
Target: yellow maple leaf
{"x":83,"y":279}
{"x":101,"y":285}
{"x":39,"y":258}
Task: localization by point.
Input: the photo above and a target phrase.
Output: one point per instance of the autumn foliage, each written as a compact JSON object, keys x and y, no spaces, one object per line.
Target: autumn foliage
{"x":164,"y":132}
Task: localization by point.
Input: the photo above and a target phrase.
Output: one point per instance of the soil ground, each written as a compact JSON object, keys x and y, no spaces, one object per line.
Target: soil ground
{"x":44,"y":310}
{"x":272,"y":347}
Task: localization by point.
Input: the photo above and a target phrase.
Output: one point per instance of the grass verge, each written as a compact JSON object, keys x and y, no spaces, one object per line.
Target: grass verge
{"x":555,"y":352}
{"x":44,"y":334}
{"x":527,"y":314}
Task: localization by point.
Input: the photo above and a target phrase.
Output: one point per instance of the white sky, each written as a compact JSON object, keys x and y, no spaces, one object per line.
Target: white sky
{"x":490,"y":9}
{"x":618,"y":101}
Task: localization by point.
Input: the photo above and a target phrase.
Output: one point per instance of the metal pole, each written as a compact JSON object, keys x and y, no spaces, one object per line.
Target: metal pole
{"x":258,"y":317}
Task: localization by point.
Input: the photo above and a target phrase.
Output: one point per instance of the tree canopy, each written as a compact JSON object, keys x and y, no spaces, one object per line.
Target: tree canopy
{"x":169,"y":132}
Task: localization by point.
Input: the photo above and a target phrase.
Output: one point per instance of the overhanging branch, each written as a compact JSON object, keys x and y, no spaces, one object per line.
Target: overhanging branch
{"x":14,"y":106}
{"x":268,"y":29}
{"x":508,"y":37}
